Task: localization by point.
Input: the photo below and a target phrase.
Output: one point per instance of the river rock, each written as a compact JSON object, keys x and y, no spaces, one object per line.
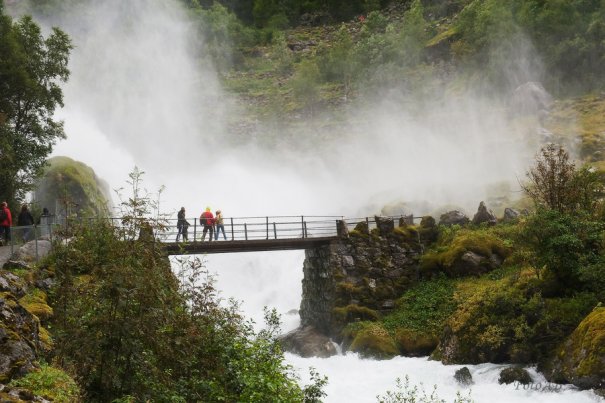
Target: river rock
{"x":308,"y":342}
{"x":463,"y":376}
{"x":581,"y":358}
{"x":514,"y":374}
{"x":454,"y":217}
{"x":484,"y":215}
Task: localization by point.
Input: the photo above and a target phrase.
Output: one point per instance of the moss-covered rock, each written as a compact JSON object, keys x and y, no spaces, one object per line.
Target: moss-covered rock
{"x":581,"y":358}
{"x":72,"y":187}
{"x":371,"y":340}
{"x":50,"y":383}
{"x":415,"y":344}
{"x":35,"y":303}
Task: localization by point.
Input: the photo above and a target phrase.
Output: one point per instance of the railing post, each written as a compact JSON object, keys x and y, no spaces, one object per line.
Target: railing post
{"x":305,"y":229}
{"x":194,"y":229}
{"x":274,"y":230}
{"x":368,"y":224}
{"x":36,"y":241}
{"x":267,"y":218}
{"x":302,"y":224}
{"x":246,"y":231}
{"x":232,"y":232}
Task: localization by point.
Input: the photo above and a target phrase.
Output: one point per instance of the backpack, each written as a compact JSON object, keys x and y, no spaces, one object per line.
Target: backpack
{"x":203,"y":220}
{"x":3,"y":215}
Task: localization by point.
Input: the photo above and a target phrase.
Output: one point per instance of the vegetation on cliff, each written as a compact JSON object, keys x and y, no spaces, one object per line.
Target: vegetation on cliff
{"x":69,"y":187}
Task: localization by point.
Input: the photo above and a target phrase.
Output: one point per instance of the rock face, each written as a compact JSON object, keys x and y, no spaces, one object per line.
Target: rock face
{"x":454,"y":217}
{"x":308,"y":342}
{"x":581,"y":359}
{"x":463,"y":376}
{"x":359,"y":277}
{"x":19,"y":338}
{"x":514,"y":374}
{"x":484,"y":215}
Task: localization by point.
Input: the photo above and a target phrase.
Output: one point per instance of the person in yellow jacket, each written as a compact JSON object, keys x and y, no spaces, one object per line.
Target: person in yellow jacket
{"x":218,"y":219}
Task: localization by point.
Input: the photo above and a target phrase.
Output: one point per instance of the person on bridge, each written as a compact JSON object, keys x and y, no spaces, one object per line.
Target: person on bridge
{"x":182,"y":225}
{"x":6,"y":220}
{"x":219,"y":225}
{"x":207,"y":220}
{"x":25,"y":219}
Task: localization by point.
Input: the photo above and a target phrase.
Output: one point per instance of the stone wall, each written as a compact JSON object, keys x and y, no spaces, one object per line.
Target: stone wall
{"x":358,"y":277}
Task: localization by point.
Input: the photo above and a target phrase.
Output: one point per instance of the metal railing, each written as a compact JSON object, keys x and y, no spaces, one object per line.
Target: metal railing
{"x":20,"y":235}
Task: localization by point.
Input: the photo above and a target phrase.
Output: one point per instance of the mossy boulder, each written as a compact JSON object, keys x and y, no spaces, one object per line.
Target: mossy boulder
{"x":308,"y":342}
{"x":71,"y":187}
{"x":581,"y":358}
{"x":414,"y":343}
{"x":370,"y":340}
{"x":470,"y":252}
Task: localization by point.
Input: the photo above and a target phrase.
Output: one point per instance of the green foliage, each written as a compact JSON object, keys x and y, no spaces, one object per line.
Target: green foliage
{"x":31,"y":70}
{"x":566,"y":246}
{"x":424,"y":307}
{"x":50,"y":383}
{"x":305,"y":85}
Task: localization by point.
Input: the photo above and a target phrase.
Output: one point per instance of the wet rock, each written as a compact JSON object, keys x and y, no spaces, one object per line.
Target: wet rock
{"x":454,"y":217}
{"x":531,"y":98}
{"x":308,"y":342}
{"x":484,"y":215}
{"x":463,"y":376}
{"x":514,"y":374}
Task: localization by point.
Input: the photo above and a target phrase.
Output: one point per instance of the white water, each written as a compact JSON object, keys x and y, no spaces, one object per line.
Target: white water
{"x":138,"y":96}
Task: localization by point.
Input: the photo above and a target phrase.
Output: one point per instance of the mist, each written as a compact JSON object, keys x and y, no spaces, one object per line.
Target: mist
{"x":142,"y":92}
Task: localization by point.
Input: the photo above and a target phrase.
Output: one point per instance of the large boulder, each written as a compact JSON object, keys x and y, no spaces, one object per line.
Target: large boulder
{"x":484,"y":215}
{"x":473,"y":264}
{"x":454,"y":217}
{"x":33,"y":251}
{"x":385,"y":225}
{"x":511,"y":215}
{"x":581,"y":358}
{"x":308,"y":342}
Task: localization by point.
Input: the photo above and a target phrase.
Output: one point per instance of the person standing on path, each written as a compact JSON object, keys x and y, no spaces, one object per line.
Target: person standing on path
{"x":219,"y":225}
{"x":207,"y":220}
{"x":25,"y":219}
{"x":6,"y":221}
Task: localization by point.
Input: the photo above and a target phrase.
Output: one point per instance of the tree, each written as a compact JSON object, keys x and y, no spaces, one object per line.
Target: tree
{"x":556,"y":184}
{"x":31,"y":70}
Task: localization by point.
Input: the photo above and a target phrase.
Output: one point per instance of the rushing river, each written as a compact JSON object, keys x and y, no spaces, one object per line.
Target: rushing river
{"x":274,"y":279}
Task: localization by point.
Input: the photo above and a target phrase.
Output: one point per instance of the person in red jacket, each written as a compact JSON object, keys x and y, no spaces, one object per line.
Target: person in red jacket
{"x":207,"y":220}
{"x":6,"y":220}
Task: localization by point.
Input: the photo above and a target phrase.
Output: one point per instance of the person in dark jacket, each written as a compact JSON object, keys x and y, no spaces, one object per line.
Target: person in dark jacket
{"x":25,"y":219}
{"x":182,"y":225}
{"x":6,"y":221}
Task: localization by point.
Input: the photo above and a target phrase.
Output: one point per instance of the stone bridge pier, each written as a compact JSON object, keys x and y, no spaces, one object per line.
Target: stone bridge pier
{"x":359,"y":276}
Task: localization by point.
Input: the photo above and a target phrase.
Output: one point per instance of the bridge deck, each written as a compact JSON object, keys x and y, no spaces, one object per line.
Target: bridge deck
{"x":255,"y":245}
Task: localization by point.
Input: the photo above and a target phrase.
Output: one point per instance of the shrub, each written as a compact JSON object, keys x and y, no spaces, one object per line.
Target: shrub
{"x":50,"y":383}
